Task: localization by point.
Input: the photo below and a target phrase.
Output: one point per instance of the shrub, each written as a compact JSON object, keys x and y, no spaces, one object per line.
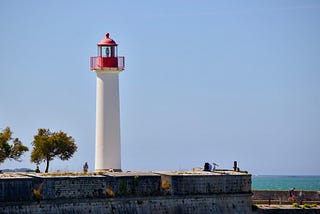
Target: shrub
{"x":309,"y":205}
{"x":295,"y":205}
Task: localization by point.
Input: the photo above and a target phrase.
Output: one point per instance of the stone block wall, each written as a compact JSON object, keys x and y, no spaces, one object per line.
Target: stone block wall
{"x":72,"y":187}
{"x":127,"y":193}
{"x":51,"y":188}
{"x":134,"y":185}
{"x":219,"y":204}
{"x":200,"y":184}
{"x":16,"y":189}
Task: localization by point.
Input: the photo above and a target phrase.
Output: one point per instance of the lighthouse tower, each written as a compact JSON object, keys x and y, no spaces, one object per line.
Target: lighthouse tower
{"x":107,"y":65}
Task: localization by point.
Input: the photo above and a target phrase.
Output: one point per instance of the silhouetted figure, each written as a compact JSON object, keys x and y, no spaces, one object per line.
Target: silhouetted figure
{"x":207,"y":167}
{"x":85,"y":167}
{"x":235,"y":166}
{"x":37,"y":169}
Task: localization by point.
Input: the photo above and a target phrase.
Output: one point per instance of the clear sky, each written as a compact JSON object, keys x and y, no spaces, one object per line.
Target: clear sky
{"x":212,"y":81}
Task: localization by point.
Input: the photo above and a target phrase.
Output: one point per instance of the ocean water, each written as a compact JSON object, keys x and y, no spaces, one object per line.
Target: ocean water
{"x":268,"y":182}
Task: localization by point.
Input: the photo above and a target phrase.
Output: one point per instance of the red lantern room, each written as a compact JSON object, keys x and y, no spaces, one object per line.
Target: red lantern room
{"x":107,"y":59}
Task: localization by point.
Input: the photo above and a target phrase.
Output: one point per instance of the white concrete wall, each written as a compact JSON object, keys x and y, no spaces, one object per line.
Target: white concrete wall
{"x":108,"y":147}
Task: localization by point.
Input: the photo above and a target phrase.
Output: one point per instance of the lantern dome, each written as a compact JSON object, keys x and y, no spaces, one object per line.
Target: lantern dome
{"x":107,"y":41}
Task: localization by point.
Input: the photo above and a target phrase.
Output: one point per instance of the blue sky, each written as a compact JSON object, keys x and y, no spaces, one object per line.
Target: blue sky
{"x":204,"y":81}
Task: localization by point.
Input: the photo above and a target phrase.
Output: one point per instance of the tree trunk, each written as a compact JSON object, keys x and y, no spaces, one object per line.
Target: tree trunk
{"x":47,"y":168}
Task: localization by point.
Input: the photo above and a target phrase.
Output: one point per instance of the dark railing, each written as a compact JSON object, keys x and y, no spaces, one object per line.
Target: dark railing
{"x":98,"y":62}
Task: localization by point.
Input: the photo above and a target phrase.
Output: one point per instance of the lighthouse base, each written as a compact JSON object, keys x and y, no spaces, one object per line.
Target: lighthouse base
{"x":107,"y":170}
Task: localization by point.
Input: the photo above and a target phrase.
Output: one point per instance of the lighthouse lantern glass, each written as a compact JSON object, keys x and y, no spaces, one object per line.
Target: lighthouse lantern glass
{"x":107,"y":51}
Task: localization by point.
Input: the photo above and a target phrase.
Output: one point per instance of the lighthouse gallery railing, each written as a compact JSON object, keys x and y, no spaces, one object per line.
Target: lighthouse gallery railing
{"x":98,"y":62}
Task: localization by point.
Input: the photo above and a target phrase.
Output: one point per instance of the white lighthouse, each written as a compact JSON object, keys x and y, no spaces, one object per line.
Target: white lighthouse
{"x":107,"y":65}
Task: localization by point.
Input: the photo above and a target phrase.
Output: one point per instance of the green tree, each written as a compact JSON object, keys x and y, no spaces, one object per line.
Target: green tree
{"x":47,"y":145}
{"x":13,"y":151}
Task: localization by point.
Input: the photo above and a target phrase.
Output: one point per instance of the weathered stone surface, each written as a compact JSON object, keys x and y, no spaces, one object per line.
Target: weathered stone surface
{"x":16,"y":189}
{"x":237,"y":203}
{"x":129,"y":192}
{"x":207,"y":184}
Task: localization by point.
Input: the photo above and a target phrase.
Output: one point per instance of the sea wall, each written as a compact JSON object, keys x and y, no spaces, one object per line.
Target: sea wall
{"x":237,"y":203}
{"x":52,"y":188}
{"x":120,"y":185}
{"x":128,"y":193}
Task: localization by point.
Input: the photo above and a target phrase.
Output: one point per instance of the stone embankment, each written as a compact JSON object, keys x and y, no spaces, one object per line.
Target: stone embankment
{"x":127,"y":192}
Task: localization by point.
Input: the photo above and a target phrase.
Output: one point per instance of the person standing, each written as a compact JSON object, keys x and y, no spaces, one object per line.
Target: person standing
{"x":85,"y":167}
{"x":291,"y":194}
{"x":300,"y":197}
